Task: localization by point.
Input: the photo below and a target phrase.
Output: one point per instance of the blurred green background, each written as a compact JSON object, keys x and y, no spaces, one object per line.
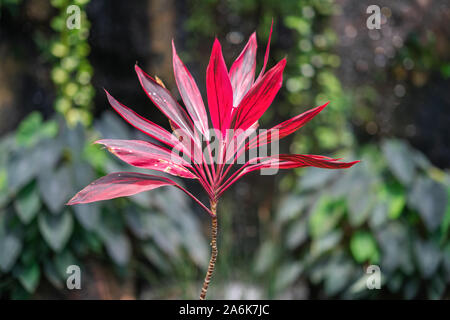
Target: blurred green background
{"x":305,"y":234}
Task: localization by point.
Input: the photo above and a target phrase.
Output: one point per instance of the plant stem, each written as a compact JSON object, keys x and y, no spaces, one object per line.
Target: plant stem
{"x":212,"y":261}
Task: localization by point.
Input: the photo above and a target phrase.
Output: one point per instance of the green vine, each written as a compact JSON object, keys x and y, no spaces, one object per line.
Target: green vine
{"x":72,"y":72}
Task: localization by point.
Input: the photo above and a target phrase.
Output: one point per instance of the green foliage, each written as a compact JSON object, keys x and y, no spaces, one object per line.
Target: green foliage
{"x":32,"y":129}
{"x":310,"y":78}
{"x":71,"y":72}
{"x":388,"y":210}
{"x":40,"y":236}
{"x":363,"y":247}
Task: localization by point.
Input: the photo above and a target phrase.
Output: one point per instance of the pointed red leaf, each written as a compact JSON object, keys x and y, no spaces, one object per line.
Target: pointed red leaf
{"x":290,"y":161}
{"x":242,"y":72}
{"x":286,"y":161}
{"x":190,"y":94}
{"x":285,"y":128}
{"x":219,"y":91}
{"x":149,"y":156}
{"x":162,"y":98}
{"x":142,"y":124}
{"x":260,"y":96}
{"x":119,"y":184}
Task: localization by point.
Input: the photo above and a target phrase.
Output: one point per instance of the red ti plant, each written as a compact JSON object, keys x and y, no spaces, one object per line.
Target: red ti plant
{"x":236,"y":101}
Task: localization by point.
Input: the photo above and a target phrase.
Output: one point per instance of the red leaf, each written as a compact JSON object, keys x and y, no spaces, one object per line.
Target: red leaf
{"x":285,"y":128}
{"x":142,"y":124}
{"x":219,"y":91}
{"x":119,"y":184}
{"x":190,"y":94}
{"x":286,"y":161}
{"x":149,"y":156}
{"x":290,"y":161}
{"x":162,"y":98}
{"x":242,"y":72}
{"x":260,"y":96}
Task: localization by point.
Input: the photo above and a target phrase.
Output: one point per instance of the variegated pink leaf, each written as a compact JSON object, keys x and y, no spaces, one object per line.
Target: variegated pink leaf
{"x":162,"y":98}
{"x":219,"y":91}
{"x":242,"y":72}
{"x":149,"y":156}
{"x":119,"y":184}
{"x":190,"y":94}
{"x":285,"y":128}
{"x":290,"y":161}
{"x":260,"y":96}
{"x":287,"y":161}
{"x":142,"y":124}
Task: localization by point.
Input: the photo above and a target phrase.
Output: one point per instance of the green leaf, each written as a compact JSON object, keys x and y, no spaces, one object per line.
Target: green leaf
{"x":286,"y":275}
{"x":21,"y":169}
{"x":400,"y":160}
{"x":290,"y":208}
{"x":46,"y":154}
{"x":49,"y":129}
{"x":3,"y":176}
{"x":325,"y":243}
{"x":117,"y":244}
{"x":315,"y":178}
{"x":430,"y":199}
{"x":4,"y":196}
{"x":428,"y":257}
{"x":325,"y":216}
{"x":379,"y":215}
{"x":297,"y":233}
{"x":27,"y":203}
{"x":446,"y":221}
{"x":360,"y":195}
{"x":397,"y":201}
{"x":155,"y":257}
{"x":29,"y":128}
{"x":363,"y":247}
{"x":52,"y":275}
{"x":95,"y":156}
{"x":119,"y":249}
{"x":140,"y":222}
{"x":395,"y":247}
{"x":88,"y":215}
{"x":360,"y":203}
{"x":266,"y":257}
{"x":62,"y":261}
{"x":29,"y":277}
{"x":55,"y":188}
{"x":396,"y":206}
{"x":299,"y":24}
{"x":56,"y":230}
{"x":338,"y":276}
{"x":10,"y":248}
{"x":196,"y":247}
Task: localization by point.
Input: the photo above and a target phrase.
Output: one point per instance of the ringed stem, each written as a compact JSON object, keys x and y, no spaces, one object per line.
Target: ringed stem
{"x":212,"y":261}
